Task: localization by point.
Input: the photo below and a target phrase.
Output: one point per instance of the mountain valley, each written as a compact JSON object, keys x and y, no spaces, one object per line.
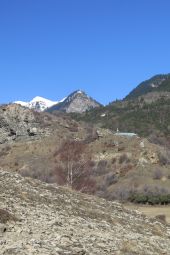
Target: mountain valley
{"x":121,"y":167}
{"x":52,"y":153}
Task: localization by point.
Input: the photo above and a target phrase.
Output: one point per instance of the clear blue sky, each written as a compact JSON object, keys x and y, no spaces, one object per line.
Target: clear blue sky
{"x":105,"y":47}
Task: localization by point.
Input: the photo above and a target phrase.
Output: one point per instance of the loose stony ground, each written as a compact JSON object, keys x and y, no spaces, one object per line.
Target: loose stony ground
{"x":37,"y":218}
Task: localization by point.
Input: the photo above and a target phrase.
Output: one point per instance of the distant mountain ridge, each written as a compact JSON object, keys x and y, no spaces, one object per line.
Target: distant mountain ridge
{"x":145,"y":111}
{"x":156,"y":83}
{"x":155,"y":88}
{"x":78,"y":101}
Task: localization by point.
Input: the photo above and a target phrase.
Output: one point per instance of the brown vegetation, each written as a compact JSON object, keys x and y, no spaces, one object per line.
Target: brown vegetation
{"x":74,"y":166}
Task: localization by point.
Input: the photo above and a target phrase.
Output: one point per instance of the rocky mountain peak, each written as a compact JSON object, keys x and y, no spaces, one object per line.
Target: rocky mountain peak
{"x":78,"y":101}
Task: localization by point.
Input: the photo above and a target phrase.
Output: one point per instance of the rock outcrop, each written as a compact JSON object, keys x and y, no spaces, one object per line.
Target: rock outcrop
{"x":45,"y":219}
{"x":17,"y":122}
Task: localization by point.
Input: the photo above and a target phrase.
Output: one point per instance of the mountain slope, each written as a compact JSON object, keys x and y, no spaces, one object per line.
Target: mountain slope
{"x":18,"y":123}
{"x":143,"y":118}
{"x":118,"y":167}
{"x":145,"y":111}
{"x":37,"y":218}
{"x":156,"y":83}
{"x":77,"y":101}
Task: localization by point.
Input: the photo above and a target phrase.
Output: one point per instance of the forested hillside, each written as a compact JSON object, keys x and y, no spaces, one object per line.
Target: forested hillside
{"x":146,"y":113}
{"x":156,"y":83}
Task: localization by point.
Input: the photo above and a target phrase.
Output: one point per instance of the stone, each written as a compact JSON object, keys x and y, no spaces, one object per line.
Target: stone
{"x":56,"y":220}
{"x":3,"y":228}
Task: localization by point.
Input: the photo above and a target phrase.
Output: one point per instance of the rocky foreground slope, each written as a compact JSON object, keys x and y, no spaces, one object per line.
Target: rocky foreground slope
{"x":37,"y":218}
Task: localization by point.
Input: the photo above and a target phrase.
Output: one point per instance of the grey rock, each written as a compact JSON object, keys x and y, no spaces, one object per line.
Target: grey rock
{"x":3,"y":228}
{"x":18,"y":123}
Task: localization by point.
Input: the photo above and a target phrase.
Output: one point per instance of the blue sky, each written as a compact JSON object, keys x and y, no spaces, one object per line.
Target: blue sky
{"x":105,"y":47}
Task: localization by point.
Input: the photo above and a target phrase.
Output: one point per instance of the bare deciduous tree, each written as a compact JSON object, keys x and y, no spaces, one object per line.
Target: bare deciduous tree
{"x":75,"y":162}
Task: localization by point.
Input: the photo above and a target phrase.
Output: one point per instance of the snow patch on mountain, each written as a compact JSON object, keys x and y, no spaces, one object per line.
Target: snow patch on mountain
{"x":38,"y":103}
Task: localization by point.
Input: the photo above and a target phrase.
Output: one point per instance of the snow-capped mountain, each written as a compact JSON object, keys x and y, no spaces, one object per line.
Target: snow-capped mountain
{"x":78,"y":101}
{"x":38,"y":103}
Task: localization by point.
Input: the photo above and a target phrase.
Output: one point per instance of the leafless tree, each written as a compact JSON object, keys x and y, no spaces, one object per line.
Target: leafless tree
{"x":76,"y":164}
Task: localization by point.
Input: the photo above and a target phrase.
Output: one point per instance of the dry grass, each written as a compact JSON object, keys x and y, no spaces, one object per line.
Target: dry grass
{"x":152,"y":211}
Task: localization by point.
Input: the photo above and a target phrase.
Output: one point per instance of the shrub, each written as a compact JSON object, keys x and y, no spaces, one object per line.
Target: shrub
{"x":165,"y":199}
{"x":40,"y":174}
{"x":164,"y":158}
{"x":157,"y":175}
{"x":139,"y":198}
{"x":121,"y":148}
{"x":110,"y":179}
{"x":150,"y":198}
{"x":125,"y":169}
{"x":92,"y":134}
{"x":101,"y":167}
{"x":123,"y":159}
{"x":121,"y":194}
{"x":114,"y":161}
{"x":73,"y":127}
{"x":150,"y":195}
{"x":161,"y":218}
{"x":154,"y":200}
